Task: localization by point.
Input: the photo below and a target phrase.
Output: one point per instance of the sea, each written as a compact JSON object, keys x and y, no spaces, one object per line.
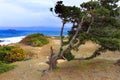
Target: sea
{"x":16,"y":33}
{"x":8,"y":36}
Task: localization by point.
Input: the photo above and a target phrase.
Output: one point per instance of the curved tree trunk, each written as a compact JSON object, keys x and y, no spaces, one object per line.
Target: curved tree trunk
{"x":52,"y":60}
{"x":61,"y":34}
{"x":54,"y":57}
{"x":52,"y":63}
{"x":60,"y":55}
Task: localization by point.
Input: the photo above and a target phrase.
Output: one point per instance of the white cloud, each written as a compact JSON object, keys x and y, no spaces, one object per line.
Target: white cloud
{"x":30,"y":12}
{"x":23,"y":12}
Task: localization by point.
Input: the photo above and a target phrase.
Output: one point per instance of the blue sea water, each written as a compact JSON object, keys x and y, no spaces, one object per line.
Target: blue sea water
{"x":17,"y":33}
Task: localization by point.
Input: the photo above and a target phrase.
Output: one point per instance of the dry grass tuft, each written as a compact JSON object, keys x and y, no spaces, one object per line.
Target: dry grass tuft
{"x":95,"y":69}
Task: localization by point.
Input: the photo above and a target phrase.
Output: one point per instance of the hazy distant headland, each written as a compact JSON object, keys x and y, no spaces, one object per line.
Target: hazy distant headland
{"x":34,"y":28}
{"x":24,"y":31}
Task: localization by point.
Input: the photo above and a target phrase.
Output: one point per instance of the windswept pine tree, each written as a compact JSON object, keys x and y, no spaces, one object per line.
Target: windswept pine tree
{"x":94,"y":20}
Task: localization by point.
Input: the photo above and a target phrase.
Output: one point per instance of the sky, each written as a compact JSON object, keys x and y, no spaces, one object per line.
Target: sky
{"x":28,"y":13}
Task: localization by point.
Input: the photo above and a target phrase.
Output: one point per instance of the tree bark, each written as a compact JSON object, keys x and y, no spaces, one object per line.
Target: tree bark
{"x":54,"y":57}
{"x":61,"y":34}
{"x":52,"y":60}
{"x":61,"y":37}
{"x":92,"y":20}
{"x":70,"y":45}
{"x":52,"y":63}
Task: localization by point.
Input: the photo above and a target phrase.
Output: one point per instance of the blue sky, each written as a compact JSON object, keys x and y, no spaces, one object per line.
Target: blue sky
{"x":26,"y":13}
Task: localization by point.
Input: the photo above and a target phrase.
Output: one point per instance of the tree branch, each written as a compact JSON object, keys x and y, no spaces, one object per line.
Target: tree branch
{"x":77,"y":43}
{"x":70,"y":45}
{"x":81,"y":58}
{"x":61,"y":34}
{"x":95,"y":54}
{"x":90,"y":24}
{"x":77,"y":31}
{"x":61,"y":37}
{"x":52,"y":60}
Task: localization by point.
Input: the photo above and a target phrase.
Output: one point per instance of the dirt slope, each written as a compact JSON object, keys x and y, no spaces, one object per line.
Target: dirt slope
{"x":73,"y":70}
{"x":30,"y":69}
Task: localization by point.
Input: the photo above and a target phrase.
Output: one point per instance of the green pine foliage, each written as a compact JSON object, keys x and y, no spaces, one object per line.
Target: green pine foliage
{"x":35,"y":40}
{"x":105,"y":29}
{"x":100,"y":24}
{"x":69,"y":56}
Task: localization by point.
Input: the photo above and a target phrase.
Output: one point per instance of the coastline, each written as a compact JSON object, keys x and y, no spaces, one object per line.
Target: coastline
{"x":6,"y":41}
{"x":10,"y":40}
{"x":15,"y":36}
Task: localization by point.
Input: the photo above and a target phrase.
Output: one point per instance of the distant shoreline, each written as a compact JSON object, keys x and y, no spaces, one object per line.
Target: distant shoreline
{"x":10,"y":40}
{"x":17,"y":33}
{"x":6,"y":41}
{"x":15,"y":36}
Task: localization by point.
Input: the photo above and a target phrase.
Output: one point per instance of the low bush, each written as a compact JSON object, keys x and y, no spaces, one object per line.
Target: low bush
{"x":12,"y":53}
{"x":35,"y":40}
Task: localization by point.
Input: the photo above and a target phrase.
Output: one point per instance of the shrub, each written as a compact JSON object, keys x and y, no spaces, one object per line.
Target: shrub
{"x":12,"y":53}
{"x":69,"y":56}
{"x":35,"y":40}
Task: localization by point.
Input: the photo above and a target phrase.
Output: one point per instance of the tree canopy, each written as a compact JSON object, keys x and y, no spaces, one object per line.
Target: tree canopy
{"x":94,"y":20}
{"x":105,"y":28}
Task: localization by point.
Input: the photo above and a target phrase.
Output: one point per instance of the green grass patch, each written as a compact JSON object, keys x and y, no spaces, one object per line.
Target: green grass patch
{"x":4,"y":67}
{"x":35,"y":40}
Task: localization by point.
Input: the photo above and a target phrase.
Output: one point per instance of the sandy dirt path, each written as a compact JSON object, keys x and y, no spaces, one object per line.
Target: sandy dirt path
{"x":31,"y":69}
